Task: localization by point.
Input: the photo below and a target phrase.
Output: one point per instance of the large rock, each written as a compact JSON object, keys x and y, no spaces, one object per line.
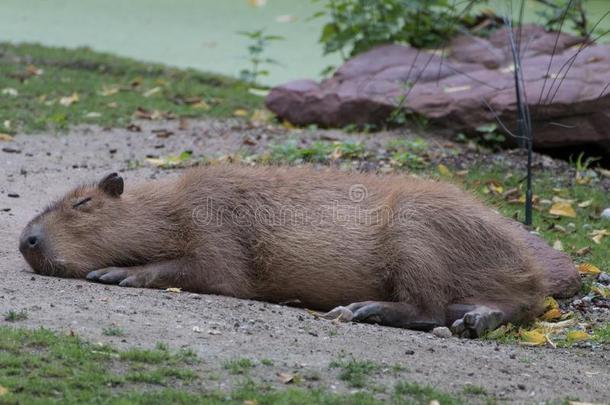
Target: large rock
{"x":454,"y":89}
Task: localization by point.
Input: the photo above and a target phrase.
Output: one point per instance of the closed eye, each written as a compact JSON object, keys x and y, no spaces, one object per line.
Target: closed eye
{"x":81,"y":202}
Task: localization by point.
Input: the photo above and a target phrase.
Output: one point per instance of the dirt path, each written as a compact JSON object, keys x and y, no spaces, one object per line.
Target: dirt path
{"x":221,"y":328}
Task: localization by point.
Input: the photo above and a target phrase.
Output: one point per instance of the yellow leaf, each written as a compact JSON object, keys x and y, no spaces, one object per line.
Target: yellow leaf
{"x":108,"y":91}
{"x":69,"y":100}
{"x":6,"y":137}
{"x":257,"y":3}
{"x":588,"y":268}
{"x":563,"y":209}
{"x":558,"y":245}
{"x":550,"y":303}
{"x":202,"y":105}
{"x":173,"y":290}
{"x":444,"y":170}
{"x":152,"y":92}
{"x":240,"y":112}
{"x":577,"y":335}
{"x":3,"y":390}
{"x":552,"y":314}
{"x":156,"y":161}
{"x":532,"y":337}
{"x":585,"y":204}
{"x":601,"y":291}
{"x":598,"y":235}
{"x":285,"y":378}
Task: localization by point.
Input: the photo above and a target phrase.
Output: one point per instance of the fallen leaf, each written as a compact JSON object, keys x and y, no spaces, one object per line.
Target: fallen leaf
{"x":6,"y":137}
{"x":33,"y":70}
{"x":552,"y":314}
{"x":93,"y":115}
{"x":588,"y":268}
{"x":257,"y":3}
{"x":173,"y":289}
{"x":604,"y":172}
{"x":9,"y":91}
{"x":108,"y":90}
{"x":261,"y":116}
{"x":495,"y":187}
{"x":558,"y":245}
{"x":134,"y":128}
{"x":69,"y":100}
{"x":577,"y":335}
{"x":562,"y":209}
{"x":598,"y":234}
{"x":201,"y":105}
{"x":444,"y":170}
{"x":3,"y":390}
{"x":555,"y":326}
{"x":532,"y":337}
{"x":585,"y":204}
{"x":583,"y":251}
{"x":285,"y":378}
{"x":240,"y":112}
{"x":152,"y":92}
{"x":250,"y":402}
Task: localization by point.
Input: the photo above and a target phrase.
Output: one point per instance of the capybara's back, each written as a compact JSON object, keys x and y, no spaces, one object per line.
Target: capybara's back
{"x":391,"y":249}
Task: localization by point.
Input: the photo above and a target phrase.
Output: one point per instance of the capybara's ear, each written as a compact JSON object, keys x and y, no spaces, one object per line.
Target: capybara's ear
{"x":112,"y":185}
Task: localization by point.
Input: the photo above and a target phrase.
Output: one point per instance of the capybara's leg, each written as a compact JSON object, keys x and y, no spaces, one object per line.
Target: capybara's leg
{"x":397,"y":314}
{"x":476,"y":319}
{"x":154,"y":275}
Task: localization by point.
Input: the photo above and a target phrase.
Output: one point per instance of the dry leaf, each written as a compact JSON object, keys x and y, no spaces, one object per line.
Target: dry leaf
{"x":598,"y":234}
{"x":3,"y":390}
{"x":583,"y":251}
{"x":240,"y":112}
{"x":250,"y":402}
{"x":257,"y":3}
{"x":108,"y":90}
{"x":555,"y":326}
{"x":285,"y":378}
{"x":552,"y":314}
{"x":455,"y":89}
{"x":69,"y":100}
{"x":173,"y":289}
{"x":558,"y":245}
{"x":444,"y":170}
{"x":6,"y":137}
{"x":532,"y":337}
{"x":562,"y":209}
{"x":9,"y":91}
{"x":588,"y":268}
{"x":152,"y":92}
{"x":577,"y":335}
{"x":585,"y":204}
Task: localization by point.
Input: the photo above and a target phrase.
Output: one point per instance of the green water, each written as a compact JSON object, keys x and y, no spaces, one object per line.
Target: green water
{"x":185,"y":33}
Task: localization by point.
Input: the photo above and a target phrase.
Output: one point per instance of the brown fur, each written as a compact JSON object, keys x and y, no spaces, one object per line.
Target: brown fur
{"x":422,"y":242}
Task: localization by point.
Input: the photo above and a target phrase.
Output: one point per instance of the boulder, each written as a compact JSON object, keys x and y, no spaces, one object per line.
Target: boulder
{"x":465,"y":86}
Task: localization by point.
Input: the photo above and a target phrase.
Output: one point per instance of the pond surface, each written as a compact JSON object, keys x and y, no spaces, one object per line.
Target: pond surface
{"x":186,"y":33}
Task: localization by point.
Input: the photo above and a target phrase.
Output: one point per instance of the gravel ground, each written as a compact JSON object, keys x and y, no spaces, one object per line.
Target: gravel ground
{"x":35,"y":169}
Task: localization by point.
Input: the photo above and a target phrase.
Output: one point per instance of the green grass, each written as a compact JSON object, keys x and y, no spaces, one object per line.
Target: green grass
{"x":355,"y":372}
{"x":602,"y":334}
{"x":40,"y":367}
{"x":239,"y":366}
{"x":113,"y":331}
{"x":573,"y":233}
{"x":14,"y":316}
{"x":110,"y":89}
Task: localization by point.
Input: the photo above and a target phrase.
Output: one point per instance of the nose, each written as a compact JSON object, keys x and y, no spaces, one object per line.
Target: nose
{"x":31,"y":240}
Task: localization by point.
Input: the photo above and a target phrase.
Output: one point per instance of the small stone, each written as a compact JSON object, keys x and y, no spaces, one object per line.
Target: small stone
{"x":606,"y":213}
{"x":441,"y":332}
{"x":13,"y":195}
{"x":521,"y":387}
{"x":410,"y":352}
{"x":604,"y":278}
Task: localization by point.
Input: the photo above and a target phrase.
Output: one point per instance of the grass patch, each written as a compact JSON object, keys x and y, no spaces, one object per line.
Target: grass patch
{"x":602,"y":334}
{"x":14,"y":316}
{"x":113,"y":331}
{"x":474,"y":390}
{"x":239,"y":366}
{"x":423,"y":394}
{"x":355,"y":372}
{"x":51,"y":88}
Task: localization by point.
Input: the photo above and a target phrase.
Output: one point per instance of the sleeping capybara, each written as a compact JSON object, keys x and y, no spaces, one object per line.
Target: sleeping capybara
{"x":390,"y":249}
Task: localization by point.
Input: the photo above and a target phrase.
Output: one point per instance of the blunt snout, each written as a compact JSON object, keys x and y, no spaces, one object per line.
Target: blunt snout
{"x":31,"y":241}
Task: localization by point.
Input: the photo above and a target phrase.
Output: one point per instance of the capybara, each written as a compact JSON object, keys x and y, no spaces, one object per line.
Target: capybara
{"x":392,"y":249}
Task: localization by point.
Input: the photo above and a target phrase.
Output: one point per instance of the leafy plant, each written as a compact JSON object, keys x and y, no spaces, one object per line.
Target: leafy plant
{"x":256,"y":49}
{"x":358,"y":25}
{"x":557,"y":12}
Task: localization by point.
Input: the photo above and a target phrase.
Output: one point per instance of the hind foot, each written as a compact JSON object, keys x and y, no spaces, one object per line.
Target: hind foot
{"x":477,"y":322}
{"x":398,"y":314}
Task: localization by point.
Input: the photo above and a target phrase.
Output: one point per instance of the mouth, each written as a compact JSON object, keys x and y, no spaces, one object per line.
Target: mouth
{"x":41,"y":264}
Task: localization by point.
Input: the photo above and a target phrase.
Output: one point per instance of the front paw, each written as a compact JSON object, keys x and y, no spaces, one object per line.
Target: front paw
{"x":109,"y":275}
